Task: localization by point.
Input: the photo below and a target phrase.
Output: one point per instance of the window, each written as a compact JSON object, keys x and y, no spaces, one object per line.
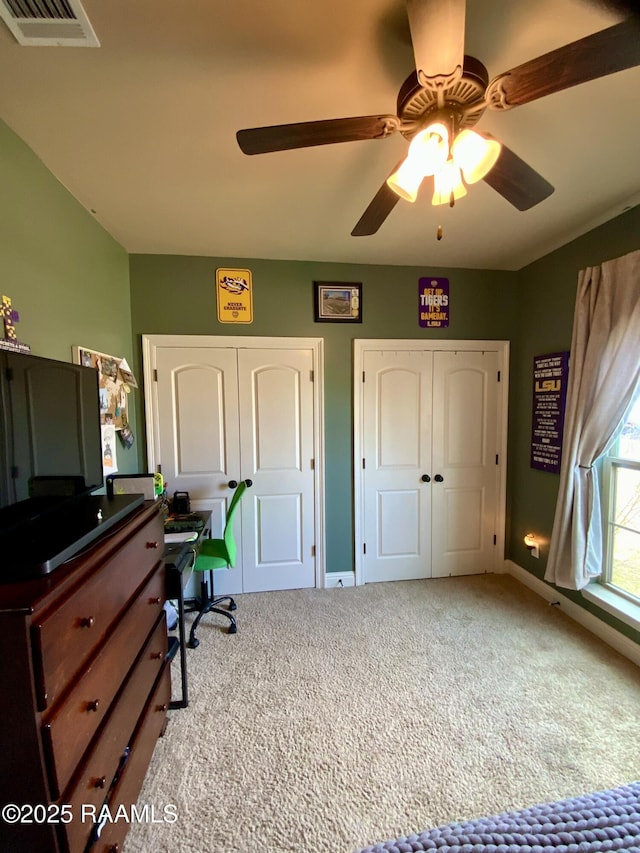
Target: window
{"x":621,"y":516}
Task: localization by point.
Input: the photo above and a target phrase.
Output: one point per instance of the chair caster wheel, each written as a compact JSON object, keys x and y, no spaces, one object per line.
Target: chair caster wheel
{"x":193,"y":643}
{"x":232,"y":606}
{"x":233,"y":629}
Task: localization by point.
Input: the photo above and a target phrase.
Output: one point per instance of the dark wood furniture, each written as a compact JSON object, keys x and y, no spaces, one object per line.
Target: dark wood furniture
{"x":85,"y":686}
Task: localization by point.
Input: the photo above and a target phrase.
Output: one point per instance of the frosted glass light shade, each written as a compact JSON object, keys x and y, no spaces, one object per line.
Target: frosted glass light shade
{"x":475,"y":154}
{"x":406,"y":180}
{"x":427,"y":152}
{"x":445,"y":181}
{"x":430,"y":147}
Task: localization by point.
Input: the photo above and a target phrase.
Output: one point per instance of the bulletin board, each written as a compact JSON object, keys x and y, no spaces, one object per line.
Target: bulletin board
{"x":115,"y":382}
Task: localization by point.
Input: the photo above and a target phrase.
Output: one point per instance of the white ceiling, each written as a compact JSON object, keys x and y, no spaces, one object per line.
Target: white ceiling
{"x":142,"y":130}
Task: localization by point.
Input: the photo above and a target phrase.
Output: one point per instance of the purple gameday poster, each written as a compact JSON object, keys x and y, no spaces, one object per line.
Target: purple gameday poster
{"x":433,"y":303}
{"x":550,"y":373}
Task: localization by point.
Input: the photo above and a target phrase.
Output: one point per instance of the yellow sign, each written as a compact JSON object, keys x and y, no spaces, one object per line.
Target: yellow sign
{"x":235,"y":296}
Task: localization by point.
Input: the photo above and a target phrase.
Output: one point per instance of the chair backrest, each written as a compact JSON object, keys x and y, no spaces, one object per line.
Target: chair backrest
{"x":229,"y":539}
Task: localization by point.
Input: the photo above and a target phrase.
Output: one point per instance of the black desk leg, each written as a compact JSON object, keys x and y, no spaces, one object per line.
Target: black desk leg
{"x":184,"y":701}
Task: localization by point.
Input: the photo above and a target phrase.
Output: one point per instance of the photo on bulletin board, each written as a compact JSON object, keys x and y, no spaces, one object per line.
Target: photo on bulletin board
{"x":115,"y":381}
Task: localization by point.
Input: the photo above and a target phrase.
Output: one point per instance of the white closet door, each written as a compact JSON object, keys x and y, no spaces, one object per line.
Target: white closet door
{"x":276,"y":437}
{"x":433,"y":415}
{"x":240,"y":408}
{"x":397,"y":447}
{"x":464,"y":519}
{"x":197,"y":429}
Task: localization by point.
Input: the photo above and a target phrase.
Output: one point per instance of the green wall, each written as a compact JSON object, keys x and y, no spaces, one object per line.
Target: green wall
{"x":67,"y":278}
{"x":546,"y":297}
{"x":176,"y":295}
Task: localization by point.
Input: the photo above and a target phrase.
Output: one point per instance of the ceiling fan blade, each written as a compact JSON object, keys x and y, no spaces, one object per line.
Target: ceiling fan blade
{"x":379,"y":208}
{"x":437,"y":34}
{"x":597,"y":55}
{"x":282,"y":137}
{"x":516,"y":181}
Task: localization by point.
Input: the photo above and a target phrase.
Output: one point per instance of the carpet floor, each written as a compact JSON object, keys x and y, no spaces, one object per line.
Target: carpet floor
{"x":337,"y":718}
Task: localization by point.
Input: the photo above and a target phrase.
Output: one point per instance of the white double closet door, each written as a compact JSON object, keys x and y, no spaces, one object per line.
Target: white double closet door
{"x":218,"y":414}
{"x":432,"y":470}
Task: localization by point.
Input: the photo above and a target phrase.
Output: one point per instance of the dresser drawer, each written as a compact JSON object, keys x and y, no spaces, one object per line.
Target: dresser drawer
{"x":129,"y":785}
{"x":90,"y":786}
{"x":69,"y":728}
{"x":66,"y":637}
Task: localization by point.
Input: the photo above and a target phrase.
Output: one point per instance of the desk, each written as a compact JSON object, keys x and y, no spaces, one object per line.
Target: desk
{"x":178,"y":559}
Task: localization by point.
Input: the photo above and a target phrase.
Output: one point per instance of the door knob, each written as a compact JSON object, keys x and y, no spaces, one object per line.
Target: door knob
{"x":439,"y":478}
{"x":233,"y":484}
{"x":425,"y":478}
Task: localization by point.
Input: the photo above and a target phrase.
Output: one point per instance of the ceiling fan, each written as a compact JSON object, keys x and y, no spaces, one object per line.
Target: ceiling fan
{"x":444,"y":98}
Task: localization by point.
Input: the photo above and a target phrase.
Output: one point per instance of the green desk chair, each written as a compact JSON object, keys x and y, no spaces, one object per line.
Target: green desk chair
{"x":217,"y":554}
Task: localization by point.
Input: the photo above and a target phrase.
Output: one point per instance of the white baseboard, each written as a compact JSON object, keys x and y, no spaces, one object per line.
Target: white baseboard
{"x":339,"y":579}
{"x":605,"y":632}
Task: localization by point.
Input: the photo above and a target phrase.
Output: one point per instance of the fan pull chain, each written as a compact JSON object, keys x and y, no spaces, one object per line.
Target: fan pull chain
{"x":439,"y":232}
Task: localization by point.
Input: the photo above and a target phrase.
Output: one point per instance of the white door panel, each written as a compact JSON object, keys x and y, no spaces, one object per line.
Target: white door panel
{"x":276,"y":435}
{"x":398,"y":524}
{"x":197,"y":435}
{"x":399,"y":418}
{"x":464,"y":517}
{"x":276,"y":416}
{"x":198,"y":416}
{"x":467,"y":505}
{"x":279,"y":530}
{"x":397,"y":424}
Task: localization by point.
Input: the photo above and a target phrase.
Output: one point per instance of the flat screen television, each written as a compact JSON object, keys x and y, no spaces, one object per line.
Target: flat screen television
{"x":50,"y":464}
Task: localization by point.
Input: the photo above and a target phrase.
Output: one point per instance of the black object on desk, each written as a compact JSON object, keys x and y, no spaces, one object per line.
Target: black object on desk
{"x":191,"y":521}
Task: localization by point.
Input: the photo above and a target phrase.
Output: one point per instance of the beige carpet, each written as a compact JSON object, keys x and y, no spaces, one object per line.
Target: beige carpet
{"x":337,"y":718}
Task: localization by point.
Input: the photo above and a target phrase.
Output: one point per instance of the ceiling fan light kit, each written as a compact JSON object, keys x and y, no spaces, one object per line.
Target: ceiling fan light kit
{"x":475,"y":154}
{"x":428,"y":153}
{"x":471,"y":155}
{"x":444,"y":98}
{"x":447,"y":184}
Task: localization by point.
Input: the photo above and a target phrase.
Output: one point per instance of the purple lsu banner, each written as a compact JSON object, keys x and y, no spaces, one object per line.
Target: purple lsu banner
{"x":433,"y":303}
{"x":550,"y":375}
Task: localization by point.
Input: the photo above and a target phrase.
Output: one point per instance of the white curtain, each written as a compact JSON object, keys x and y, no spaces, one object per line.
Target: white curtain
{"x":604,"y":373}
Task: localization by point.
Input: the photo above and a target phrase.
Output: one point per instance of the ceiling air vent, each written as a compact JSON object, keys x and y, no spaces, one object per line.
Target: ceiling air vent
{"x":58,"y":23}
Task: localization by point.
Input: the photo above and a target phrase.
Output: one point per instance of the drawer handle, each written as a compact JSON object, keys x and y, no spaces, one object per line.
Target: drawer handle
{"x":100,"y":782}
{"x":152,"y":545}
{"x":115,"y":848}
{"x":87,"y":622}
{"x":93,"y":705}
{"x":162,"y":708}
{"x":157,"y":655}
{"x":155,"y":600}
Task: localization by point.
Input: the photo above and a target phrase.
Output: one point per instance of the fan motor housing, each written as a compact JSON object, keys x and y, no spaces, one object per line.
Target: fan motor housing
{"x":465,"y":99}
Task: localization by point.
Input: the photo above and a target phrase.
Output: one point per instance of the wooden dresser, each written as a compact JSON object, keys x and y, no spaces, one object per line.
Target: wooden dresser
{"x":84,"y":690}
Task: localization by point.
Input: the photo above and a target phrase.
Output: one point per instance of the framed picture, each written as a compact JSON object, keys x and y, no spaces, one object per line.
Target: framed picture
{"x":337,"y":302}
